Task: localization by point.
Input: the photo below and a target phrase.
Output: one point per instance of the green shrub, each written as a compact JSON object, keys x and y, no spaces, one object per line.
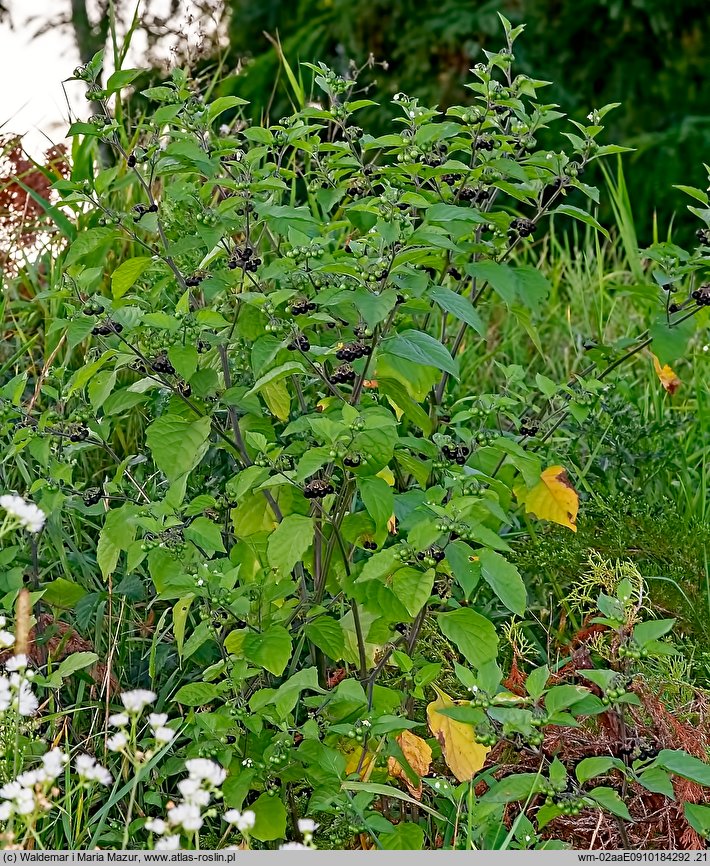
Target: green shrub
{"x":269,"y":495}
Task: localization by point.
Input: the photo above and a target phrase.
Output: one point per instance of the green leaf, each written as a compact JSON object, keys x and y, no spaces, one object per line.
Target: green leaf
{"x":270,"y":649}
{"x":582,"y":216}
{"x":270,"y":818}
{"x":698,"y":817}
{"x":422,"y":349}
{"x":537,"y":681}
{"x":413,"y":588}
{"x":184,"y":359}
{"x":458,"y":306}
{"x":180,"y":611}
{"x":178,"y":445}
{"x":466,"y":569}
{"x":652,"y":629}
{"x":504,"y":579}
{"x":518,"y":787}
{"x":196,"y":694}
{"x":222,"y":104}
{"x":657,"y":780}
{"x":473,"y":634}
{"x":670,"y":343}
{"x":378,"y":499}
{"x":327,"y":634}
{"x":116,"y":535}
{"x":682,"y":764}
{"x":289,"y":542}
{"x":405,"y":837}
{"x":287,"y":369}
{"x":76,"y":662}
{"x":122,"y":78}
{"x":126,"y":274}
{"x":62,"y":593}
{"x":609,"y":800}
{"x":206,"y":534}
{"x":588,"y":768}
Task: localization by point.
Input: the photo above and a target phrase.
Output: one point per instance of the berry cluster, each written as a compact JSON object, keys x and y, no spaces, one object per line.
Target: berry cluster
{"x":78,"y":433}
{"x":701,"y":295}
{"x":92,"y":495}
{"x":352,"y":351}
{"x":161,"y":364}
{"x":352,"y":460}
{"x":302,"y":306}
{"x":369,"y":544}
{"x":342,"y":374}
{"x":459,"y":453}
{"x":196,"y":278}
{"x":431,"y":555}
{"x":524,"y":227}
{"x":317,"y":489}
{"x":140,"y":210}
{"x":103,"y":329}
{"x":244,"y":258}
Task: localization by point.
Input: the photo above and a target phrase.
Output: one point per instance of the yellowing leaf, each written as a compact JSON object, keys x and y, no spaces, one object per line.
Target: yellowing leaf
{"x":387,"y":475}
{"x":418,"y":754}
{"x":463,"y":755}
{"x":667,"y":377}
{"x":553,"y":498}
{"x":392,"y":525}
{"x":353,"y":753}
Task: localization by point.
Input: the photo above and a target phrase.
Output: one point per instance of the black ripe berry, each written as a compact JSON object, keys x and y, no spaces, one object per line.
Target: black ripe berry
{"x":702,"y":295}
{"x":344,"y":373}
{"x":91,"y":496}
{"x":161,"y":364}
{"x":369,"y":545}
{"x":184,"y":389}
{"x":299,"y":343}
{"x":484,"y":142}
{"x":352,"y":460}
{"x":195,"y":279}
{"x":352,"y":351}
{"x":673,"y":308}
{"x":524,"y":227}
{"x":131,"y":160}
{"x":302,"y":306}
{"x":78,"y":433}
{"x":317,"y":489}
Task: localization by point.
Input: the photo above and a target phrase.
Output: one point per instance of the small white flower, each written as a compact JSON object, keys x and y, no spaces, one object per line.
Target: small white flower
{"x":156,"y":825}
{"x":90,"y":771}
{"x":527,"y":838}
{"x":118,"y":742}
{"x":16,"y":663}
{"x":187,"y":816}
{"x":205,"y":770}
{"x":5,"y":811}
{"x":157,"y":720}
{"x":200,"y":582}
{"x":118,"y":720}
{"x":7,"y":639}
{"x":137,"y":700}
{"x":168,"y":843}
{"x":28,"y":514}
{"x":590,"y":116}
{"x":3,"y":621}
{"x":53,"y":762}
{"x":292,"y":846}
{"x":164,"y":735}
{"x":307,"y":826}
{"x":246,"y":821}
{"x":231,"y":816}
{"x":24,"y":699}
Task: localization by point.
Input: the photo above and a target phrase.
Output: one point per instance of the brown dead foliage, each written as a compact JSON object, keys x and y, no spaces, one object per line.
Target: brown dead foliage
{"x":658,"y":823}
{"x":52,"y":638}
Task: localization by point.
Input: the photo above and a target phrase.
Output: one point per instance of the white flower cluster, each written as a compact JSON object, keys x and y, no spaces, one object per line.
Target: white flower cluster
{"x":27,"y":514}
{"x":15,"y":690}
{"x":89,"y":770}
{"x":27,"y":794}
{"x":135,"y":702}
{"x":204,"y":780}
{"x":243,"y":821}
